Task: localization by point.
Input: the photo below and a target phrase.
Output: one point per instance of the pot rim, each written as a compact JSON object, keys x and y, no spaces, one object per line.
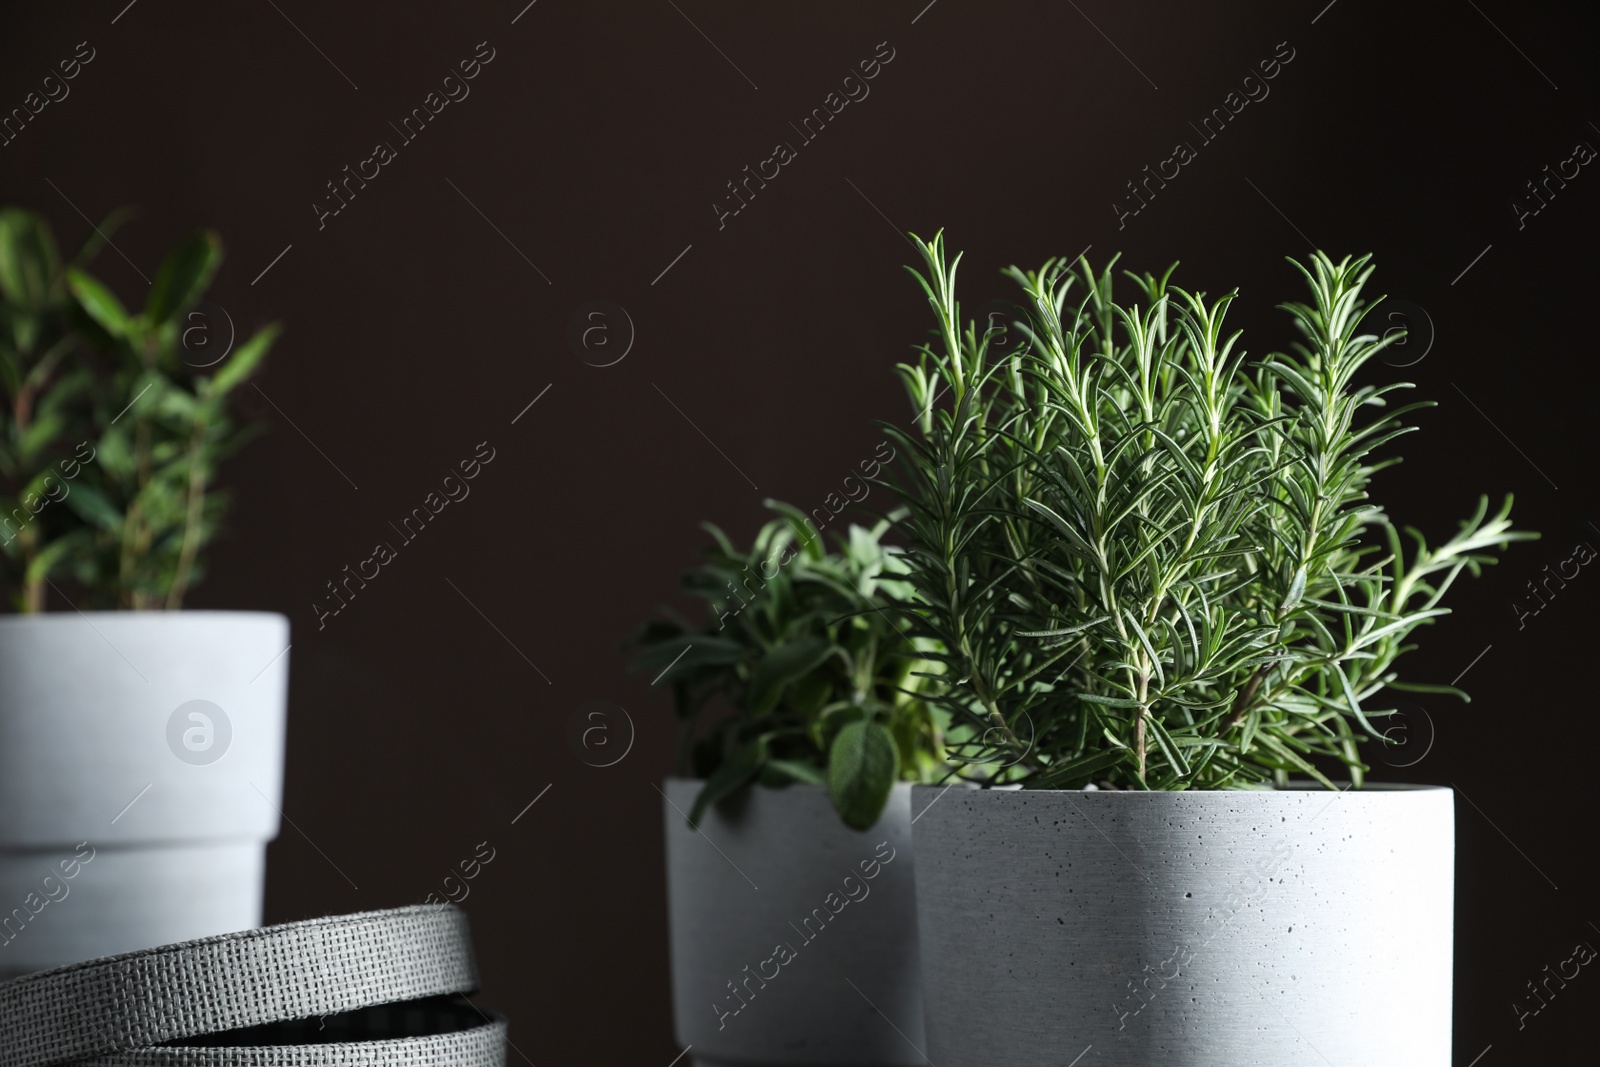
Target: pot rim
{"x":1292,"y":787}
{"x":673,"y":779}
{"x":52,"y":618}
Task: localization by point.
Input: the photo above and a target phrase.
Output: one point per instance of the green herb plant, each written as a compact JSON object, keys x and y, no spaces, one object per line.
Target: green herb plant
{"x":798,"y":673}
{"x":1147,"y":561}
{"x":110,"y":437}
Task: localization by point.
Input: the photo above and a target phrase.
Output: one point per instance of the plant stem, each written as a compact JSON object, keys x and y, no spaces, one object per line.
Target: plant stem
{"x":192,"y":516}
{"x":32,"y":588}
{"x":1241,"y":703}
{"x":1138,"y":722}
{"x":133,"y":540}
{"x":27,"y":537}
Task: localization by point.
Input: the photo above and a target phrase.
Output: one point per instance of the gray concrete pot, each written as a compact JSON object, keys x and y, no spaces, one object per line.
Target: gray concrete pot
{"x":141,"y":771}
{"x":1201,"y":929}
{"x":791,"y":933}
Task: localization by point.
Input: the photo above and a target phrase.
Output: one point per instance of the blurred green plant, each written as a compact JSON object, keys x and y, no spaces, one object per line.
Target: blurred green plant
{"x":816,"y":682}
{"x":1158,"y":556}
{"x":110,"y":440}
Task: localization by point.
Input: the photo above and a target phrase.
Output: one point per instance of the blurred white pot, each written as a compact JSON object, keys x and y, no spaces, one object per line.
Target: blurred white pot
{"x":141,"y":774}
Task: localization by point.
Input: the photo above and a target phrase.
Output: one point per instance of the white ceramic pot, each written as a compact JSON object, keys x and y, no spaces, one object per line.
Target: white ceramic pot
{"x":141,"y":771}
{"x":794,"y":938}
{"x":1201,"y":929}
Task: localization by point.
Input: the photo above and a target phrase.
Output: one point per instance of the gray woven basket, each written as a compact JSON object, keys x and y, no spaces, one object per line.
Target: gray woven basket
{"x":366,"y":989}
{"x":437,"y":1035}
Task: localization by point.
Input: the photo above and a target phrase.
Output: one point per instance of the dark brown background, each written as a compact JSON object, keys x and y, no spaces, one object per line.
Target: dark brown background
{"x":596,"y":141}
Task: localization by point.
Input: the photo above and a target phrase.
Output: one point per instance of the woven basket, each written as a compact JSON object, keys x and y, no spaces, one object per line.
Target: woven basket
{"x":382,"y":987}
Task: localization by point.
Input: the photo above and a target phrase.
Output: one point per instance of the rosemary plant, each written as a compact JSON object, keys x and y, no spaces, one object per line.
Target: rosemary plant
{"x":1148,"y":562}
{"x":813,"y":676}
{"x":109,"y":439}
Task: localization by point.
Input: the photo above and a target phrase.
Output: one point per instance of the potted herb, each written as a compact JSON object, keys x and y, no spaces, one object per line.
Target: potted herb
{"x":788,"y":838}
{"x":140,"y":746}
{"x":1150,"y":563}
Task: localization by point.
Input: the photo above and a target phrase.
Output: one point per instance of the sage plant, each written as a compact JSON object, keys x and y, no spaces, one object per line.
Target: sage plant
{"x":801,"y":654}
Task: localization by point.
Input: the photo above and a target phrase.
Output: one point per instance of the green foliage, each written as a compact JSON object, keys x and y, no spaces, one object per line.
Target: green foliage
{"x":109,"y":440}
{"x":1145,"y":561}
{"x":862,"y":767}
{"x":812,"y":678}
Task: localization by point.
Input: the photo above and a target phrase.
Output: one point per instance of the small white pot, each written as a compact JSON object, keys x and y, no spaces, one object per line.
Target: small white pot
{"x":1207,"y":929}
{"x":794,"y":938}
{"x":141,"y":777}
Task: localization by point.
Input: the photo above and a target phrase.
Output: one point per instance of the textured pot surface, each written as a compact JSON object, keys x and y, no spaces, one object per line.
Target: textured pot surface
{"x":142,"y":751}
{"x":791,"y":933}
{"x":1197,"y":929}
